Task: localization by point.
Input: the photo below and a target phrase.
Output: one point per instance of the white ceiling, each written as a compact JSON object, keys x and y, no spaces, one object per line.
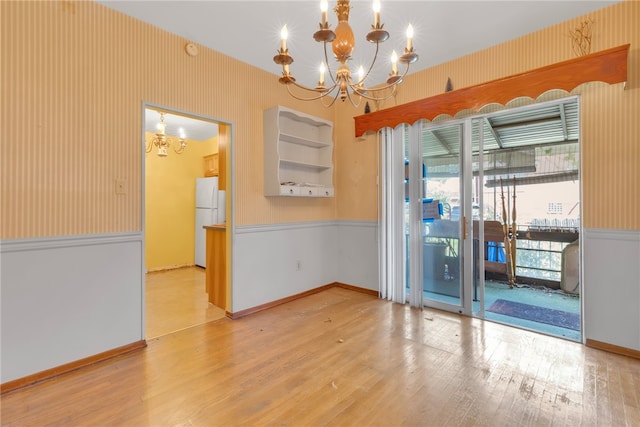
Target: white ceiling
{"x":198,"y":130}
{"x":444,"y":30}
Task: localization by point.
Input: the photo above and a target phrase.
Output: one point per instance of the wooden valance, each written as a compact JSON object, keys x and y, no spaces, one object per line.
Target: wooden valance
{"x":609,"y":66}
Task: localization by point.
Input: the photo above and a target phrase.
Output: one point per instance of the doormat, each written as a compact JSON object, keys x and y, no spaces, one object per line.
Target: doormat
{"x":534,"y":313}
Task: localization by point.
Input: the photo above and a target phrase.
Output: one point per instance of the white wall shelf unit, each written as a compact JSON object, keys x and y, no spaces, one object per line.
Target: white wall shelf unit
{"x":298,"y":154}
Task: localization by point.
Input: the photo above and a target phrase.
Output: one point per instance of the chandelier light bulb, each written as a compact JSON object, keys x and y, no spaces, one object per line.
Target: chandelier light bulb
{"x":376,"y":13}
{"x":322,"y":71}
{"x":181,"y":133}
{"x":324,"y":6}
{"x":283,"y":37}
{"x":394,"y":62}
{"x":409,"y":38}
{"x":360,"y":74}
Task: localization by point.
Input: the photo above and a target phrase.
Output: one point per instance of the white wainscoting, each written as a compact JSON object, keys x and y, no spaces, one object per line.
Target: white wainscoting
{"x":266,"y":259}
{"x":611,"y":289}
{"x":68,"y":298}
{"x":357,"y":262}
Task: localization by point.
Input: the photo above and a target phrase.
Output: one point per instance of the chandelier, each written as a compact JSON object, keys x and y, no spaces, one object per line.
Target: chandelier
{"x":163,"y":142}
{"x":342,"y":85}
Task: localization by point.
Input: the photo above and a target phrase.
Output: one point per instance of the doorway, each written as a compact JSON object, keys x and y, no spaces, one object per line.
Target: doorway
{"x":492,"y":216}
{"x":176,"y":145}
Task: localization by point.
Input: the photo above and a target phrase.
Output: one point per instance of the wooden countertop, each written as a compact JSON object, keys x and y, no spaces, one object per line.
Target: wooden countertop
{"x":216,"y":227}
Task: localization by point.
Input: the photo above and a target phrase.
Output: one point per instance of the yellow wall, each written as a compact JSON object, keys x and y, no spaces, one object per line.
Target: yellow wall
{"x":609,"y":117}
{"x":170,"y":204}
{"x":75,"y":74}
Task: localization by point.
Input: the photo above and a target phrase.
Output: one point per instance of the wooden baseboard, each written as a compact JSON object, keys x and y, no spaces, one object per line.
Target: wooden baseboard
{"x":373,"y":292}
{"x":252,"y":310}
{"x":173,"y":267}
{"x":613,"y":348}
{"x":63,"y":369}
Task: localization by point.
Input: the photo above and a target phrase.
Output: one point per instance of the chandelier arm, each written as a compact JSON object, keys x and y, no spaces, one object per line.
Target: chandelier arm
{"x":326,"y":61}
{"x":379,"y":98}
{"x":333,"y":100}
{"x":380,"y":88}
{"x":322,"y":92}
{"x":153,"y":142}
{"x":354,"y":104}
{"x":362,"y":92}
{"x":373,"y":62}
{"x":300,"y":98}
{"x":406,"y":70}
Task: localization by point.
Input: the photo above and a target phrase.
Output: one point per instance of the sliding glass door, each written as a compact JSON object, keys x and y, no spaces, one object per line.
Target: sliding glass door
{"x":436,"y":209}
{"x":481,"y":216}
{"x":525,"y":181}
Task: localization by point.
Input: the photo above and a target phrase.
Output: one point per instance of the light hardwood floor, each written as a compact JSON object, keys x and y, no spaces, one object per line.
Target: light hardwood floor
{"x":341,"y":357}
{"x":175,"y":300}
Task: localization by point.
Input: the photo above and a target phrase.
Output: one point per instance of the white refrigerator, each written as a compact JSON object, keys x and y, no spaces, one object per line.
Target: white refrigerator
{"x":210,"y":209}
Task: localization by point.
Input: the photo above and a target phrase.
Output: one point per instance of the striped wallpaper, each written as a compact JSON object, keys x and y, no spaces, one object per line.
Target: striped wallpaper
{"x":74,"y":75}
{"x":609,"y":116}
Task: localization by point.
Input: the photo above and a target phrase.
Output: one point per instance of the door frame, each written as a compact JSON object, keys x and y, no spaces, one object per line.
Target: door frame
{"x":416,"y":156}
{"x":225,"y":133}
{"x":466,"y":203}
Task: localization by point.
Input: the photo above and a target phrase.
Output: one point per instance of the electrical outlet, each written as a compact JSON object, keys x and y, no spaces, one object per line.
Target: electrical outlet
{"x":298,"y":265}
{"x":121,"y":186}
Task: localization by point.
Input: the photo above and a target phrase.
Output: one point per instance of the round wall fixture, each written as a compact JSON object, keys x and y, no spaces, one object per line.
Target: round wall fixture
{"x":191,"y":49}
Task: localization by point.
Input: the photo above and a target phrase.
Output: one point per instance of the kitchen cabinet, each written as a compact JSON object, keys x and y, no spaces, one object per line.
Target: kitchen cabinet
{"x":216,"y":270}
{"x":298,"y":154}
{"x":211,"y":165}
